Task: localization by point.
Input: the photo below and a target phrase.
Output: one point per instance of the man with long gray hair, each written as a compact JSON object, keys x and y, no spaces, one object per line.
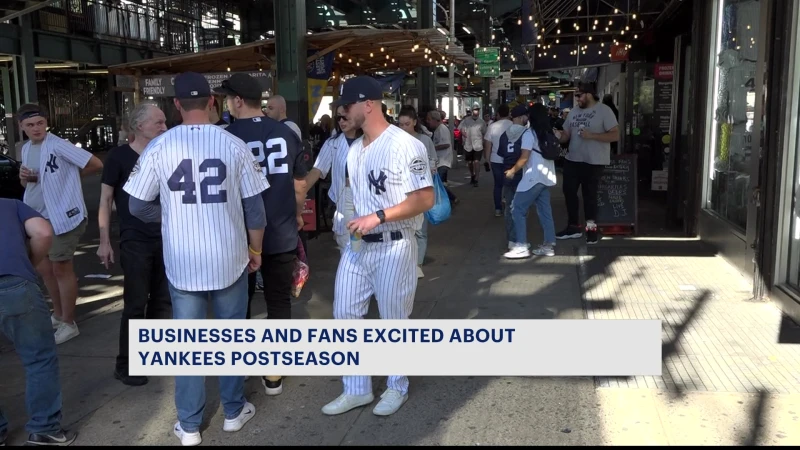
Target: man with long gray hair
{"x":146,"y":293}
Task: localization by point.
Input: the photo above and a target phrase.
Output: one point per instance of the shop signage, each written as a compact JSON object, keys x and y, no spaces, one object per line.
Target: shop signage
{"x":664,"y":72}
{"x":619,"y":53}
{"x":163,"y":85}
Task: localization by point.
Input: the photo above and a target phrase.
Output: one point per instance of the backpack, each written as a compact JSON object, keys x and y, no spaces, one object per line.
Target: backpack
{"x":549,"y":147}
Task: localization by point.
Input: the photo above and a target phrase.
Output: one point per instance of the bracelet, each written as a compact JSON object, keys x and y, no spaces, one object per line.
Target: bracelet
{"x":253,"y":251}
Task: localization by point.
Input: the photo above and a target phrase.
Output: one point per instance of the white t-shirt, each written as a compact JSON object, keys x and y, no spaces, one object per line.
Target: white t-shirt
{"x":440,"y":137}
{"x":537,"y":169}
{"x":496,"y":129}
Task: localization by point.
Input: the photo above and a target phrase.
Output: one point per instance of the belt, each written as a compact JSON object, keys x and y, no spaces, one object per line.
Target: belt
{"x":379,"y":237}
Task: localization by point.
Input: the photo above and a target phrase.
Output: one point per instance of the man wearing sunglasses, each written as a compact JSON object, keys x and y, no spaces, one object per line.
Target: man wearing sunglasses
{"x":392,"y":187}
{"x":590,"y":129}
{"x":279,"y":153}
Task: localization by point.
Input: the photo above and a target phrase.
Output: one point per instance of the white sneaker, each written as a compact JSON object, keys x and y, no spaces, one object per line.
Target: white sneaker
{"x":419,"y":272}
{"x":187,"y":439}
{"x":55,"y":321}
{"x":65,"y":332}
{"x":511,"y":245}
{"x":391,"y":401}
{"x":544,"y":250}
{"x":346,"y":402}
{"x":236,"y":424}
{"x":518,"y":252}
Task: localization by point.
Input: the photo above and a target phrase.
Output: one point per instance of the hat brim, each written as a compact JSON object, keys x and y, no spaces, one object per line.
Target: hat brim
{"x":219,"y":90}
{"x":349,"y":101}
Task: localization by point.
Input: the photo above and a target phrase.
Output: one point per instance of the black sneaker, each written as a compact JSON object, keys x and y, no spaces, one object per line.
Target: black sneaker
{"x":571,"y":232}
{"x":272,"y":387}
{"x":130,"y":380}
{"x":61,"y":438}
{"x":474,"y":182}
{"x":591,"y":236}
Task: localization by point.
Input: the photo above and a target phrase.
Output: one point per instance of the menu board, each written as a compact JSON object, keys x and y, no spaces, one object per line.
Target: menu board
{"x":616,"y":194}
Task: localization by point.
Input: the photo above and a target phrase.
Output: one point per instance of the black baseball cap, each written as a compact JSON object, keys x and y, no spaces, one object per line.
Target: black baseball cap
{"x":240,"y":85}
{"x":359,"y":89}
{"x":191,"y":85}
{"x":519,"y":111}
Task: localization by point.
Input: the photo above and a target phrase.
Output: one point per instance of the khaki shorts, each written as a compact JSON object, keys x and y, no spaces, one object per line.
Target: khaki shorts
{"x":64,"y":245}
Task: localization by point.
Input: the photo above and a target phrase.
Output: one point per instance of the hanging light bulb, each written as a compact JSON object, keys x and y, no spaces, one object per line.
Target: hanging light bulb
{"x":579,"y":7}
{"x":594,"y":27}
{"x":616,"y":11}
{"x":634,"y":16}
{"x":627,"y":28}
{"x":530,"y":18}
{"x":340,"y":55}
{"x":577,"y":27}
{"x":371,"y":54}
{"x":557,"y":41}
{"x":519,"y":21}
{"x":610,"y":22}
{"x":558,"y":31}
{"x":536,"y":25}
{"x":381,"y":49}
{"x":590,"y":38}
{"x":636,"y":36}
{"x":349,"y":60}
{"x":596,"y":22}
{"x":606,"y":28}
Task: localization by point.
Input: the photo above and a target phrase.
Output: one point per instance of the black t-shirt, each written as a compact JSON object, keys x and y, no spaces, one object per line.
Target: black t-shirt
{"x":278,"y":150}
{"x":117,"y":168}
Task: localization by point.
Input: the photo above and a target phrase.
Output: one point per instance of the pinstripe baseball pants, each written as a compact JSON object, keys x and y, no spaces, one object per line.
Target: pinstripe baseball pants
{"x":389,"y":271}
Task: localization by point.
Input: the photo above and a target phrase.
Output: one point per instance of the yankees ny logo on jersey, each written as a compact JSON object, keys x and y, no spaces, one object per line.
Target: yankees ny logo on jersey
{"x":51,"y":164}
{"x":379,"y":183}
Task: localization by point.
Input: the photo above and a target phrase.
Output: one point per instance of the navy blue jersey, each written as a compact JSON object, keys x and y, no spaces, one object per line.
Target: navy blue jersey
{"x":510,"y":152}
{"x":280,"y":154}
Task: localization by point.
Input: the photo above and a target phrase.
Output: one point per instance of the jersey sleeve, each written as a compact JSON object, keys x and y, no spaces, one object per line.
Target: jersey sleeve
{"x":143,"y":180}
{"x":74,"y":155}
{"x":111,"y":173}
{"x":252,"y":181}
{"x":324,"y":160}
{"x":527,"y":140}
{"x":414,"y":167}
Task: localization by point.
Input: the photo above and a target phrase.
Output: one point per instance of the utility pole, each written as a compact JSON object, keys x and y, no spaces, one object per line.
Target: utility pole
{"x":451,"y":72}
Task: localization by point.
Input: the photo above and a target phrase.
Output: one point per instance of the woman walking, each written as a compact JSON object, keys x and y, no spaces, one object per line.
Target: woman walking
{"x":534,"y":188}
{"x":408,"y":122}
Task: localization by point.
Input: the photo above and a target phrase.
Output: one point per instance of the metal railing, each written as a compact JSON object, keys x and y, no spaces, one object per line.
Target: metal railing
{"x":172,"y":27}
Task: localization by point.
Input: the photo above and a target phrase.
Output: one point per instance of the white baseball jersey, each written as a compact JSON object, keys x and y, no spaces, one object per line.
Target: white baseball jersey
{"x":60,"y":164}
{"x":201,"y":173}
{"x":385,"y":172}
{"x":333,"y":158}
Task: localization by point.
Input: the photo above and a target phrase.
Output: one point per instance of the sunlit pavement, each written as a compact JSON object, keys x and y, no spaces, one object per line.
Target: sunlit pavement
{"x":731,"y":374}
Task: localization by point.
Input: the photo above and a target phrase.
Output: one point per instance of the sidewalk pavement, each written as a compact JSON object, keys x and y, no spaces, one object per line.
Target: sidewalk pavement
{"x":730,"y":374}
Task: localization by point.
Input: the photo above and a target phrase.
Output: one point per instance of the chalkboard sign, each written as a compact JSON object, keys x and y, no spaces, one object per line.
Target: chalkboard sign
{"x":617,"y":195}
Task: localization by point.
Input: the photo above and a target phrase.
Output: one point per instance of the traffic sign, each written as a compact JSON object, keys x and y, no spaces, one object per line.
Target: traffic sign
{"x":487,"y":61}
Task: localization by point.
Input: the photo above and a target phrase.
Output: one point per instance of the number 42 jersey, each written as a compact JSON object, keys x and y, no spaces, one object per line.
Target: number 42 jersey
{"x":279,"y":152}
{"x":201,"y":174}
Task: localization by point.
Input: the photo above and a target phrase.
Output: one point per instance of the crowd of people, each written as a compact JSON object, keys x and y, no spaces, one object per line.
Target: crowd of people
{"x":204,"y":208}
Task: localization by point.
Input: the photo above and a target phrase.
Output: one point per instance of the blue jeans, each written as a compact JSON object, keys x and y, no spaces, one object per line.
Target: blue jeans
{"x":25,"y":320}
{"x":499,"y":174}
{"x":190,"y":392}
{"x":422,"y":241}
{"x":509,"y":192}
{"x":539,"y":194}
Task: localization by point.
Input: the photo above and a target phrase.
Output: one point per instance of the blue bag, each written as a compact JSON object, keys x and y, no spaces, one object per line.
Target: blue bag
{"x":441,"y":206}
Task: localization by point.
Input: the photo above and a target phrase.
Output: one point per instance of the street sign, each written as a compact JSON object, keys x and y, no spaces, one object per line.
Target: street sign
{"x":487,"y":60}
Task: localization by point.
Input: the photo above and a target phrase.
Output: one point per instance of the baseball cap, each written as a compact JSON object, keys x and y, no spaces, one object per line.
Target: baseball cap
{"x":359,"y":89}
{"x":476,"y":106}
{"x":519,"y":111}
{"x":191,"y":85}
{"x":240,"y":85}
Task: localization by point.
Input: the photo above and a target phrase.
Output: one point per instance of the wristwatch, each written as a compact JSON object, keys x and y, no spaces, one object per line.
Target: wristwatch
{"x":381,"y":215}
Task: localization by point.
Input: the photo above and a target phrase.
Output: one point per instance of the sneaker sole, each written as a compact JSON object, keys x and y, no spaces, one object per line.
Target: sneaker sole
{"x":247,"y":418}
{"x":358,"y":405}
{"x":569,"y":236}
{"x":517,"y":256}
{"x":189,"y":444}
{"x":66,"y":443}
{"x":273,"y":391}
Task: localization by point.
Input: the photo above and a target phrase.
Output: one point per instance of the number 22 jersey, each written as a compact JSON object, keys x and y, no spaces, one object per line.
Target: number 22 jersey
{"x":279,"y":153}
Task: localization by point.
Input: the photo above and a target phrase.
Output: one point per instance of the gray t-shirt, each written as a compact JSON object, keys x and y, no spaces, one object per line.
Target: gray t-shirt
{"x":34,"y":197}
{"x":597,"y":119}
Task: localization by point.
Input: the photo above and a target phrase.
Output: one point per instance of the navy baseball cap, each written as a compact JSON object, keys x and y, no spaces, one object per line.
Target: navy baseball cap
{"x":191,"y":85}
{"x":359,"y":89}
{"x":240,"y":85}
{"x":519,"y":111}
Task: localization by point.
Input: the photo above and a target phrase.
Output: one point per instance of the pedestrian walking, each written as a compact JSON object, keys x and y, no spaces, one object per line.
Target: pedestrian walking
{"x":196,"y":178}
{"x":392,"y":188}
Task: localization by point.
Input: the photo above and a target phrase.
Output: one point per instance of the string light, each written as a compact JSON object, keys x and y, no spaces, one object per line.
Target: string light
{"x":634,"y":16}
{"x":556,"y":20}
{"x":579,"y":7}
{"x":519,"y":21}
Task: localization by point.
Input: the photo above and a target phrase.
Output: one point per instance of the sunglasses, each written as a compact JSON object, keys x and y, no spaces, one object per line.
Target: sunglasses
{"x":340,"y":118}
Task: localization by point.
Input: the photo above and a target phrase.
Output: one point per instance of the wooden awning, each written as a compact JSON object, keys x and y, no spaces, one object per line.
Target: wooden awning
{"x":356,"y":51}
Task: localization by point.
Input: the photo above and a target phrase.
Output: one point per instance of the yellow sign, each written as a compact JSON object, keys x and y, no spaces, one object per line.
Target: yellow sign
{"x":316,"y":90}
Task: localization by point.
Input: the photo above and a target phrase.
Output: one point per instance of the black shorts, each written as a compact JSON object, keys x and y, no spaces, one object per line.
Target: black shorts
{"x":473,"y":156}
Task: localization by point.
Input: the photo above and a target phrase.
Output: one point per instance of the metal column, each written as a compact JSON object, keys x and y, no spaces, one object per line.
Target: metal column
{"x":27,"y":76}
{"x":451,"y":74}
{"x":11,"y":139}
{"x":291,"y":55}
{"x":426,"y":82}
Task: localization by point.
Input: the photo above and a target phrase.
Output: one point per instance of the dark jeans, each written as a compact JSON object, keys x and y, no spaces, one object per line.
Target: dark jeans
{"x":587,"y":178}
{"x":499,"y":178}
{"x":25,"y":320}
{"x":146,"y":290}
{"x":443,"y":175}
{"x":278,"y":274}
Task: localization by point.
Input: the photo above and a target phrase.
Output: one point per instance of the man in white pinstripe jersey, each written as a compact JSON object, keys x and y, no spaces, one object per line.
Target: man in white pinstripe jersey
{"x":51,"y":174}
{"x":208,"y":185}
{"x":392,"y":188}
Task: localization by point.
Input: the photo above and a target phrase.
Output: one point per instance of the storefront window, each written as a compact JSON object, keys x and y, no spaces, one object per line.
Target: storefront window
{"x":734,"y":109}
